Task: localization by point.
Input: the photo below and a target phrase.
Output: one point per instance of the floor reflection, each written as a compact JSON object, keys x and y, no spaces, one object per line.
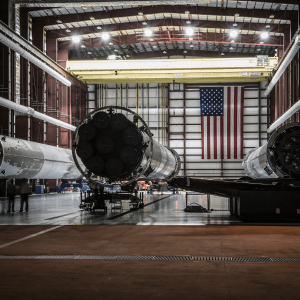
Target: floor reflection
{"x":62,"y":209}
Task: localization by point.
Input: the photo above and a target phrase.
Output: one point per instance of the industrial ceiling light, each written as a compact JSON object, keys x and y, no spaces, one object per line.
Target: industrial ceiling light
{"x":235,"y":24}
{"x":144,"y":23}
{"x":268,"y":26}
{"x":82,"y":46}
{"x":92,"y":18}
{"x":165,"y":52}
{"x":59,"y":21}
{"x":258,"y":49}
{"x":264,"y":35}
{"x":76,"y":39}
{"x":192,"y":46}
{"x":111,"y":56}
{"x":127,"y":55}
{"x":190,"y":39}
{"x":187,"y":12}
{"x":151,"y":40}
{"x":99,"y":27}
{"x":271,"y":16}
{"x":105,"y":36}
{"x":188,"y":22}
{"x":90,"y":53}
{"x":261,"y":42}
{"x":154,"y":46}
{"x":184,"y":51}
{"x":231,"y":48}
{"x":68,"y":30}
{"x":140,"y":13}
{"x":222,"y":53}
{"x":116,"y":50}
{"x":232,"y":41}
{"x":189,"y":31}
{"x":233,"y":33}
{"x":236,"y":15}
{"x":148,"y":32}
{"x":110,"y":43}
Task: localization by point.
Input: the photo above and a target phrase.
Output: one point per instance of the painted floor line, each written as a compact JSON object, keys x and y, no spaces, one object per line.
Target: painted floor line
{"x":29,"y":236}
{"x":64,"y":215}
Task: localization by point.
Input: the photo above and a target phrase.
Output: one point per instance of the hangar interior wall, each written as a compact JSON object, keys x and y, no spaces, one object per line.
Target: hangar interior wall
{"x":172,"y":112}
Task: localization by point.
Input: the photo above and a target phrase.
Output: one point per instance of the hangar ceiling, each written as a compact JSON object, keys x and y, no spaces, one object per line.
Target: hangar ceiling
{"x":125,"y":23}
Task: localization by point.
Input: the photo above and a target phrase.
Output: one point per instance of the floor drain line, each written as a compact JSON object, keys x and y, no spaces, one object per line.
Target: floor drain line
{"x":130,"y":257}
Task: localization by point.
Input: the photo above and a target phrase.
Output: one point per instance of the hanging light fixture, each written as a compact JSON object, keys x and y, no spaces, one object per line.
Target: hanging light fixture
{"x":264,"y":35}
{"x":105,"y":36}
{"x":75,"y":39}
{"x":233,"y":33}
{"x":189,"y":31}
{"x":148,"y":32}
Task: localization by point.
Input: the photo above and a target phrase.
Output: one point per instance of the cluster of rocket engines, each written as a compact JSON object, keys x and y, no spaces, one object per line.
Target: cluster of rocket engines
{"x":112,"y":146}
{"x":278,"y":158}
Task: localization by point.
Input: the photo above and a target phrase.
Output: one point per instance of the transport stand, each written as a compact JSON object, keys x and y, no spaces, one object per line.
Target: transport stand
{"x":96,"y":199}
{"x":252,"y":200}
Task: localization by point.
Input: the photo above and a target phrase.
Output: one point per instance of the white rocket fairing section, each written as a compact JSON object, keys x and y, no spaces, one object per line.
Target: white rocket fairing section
{"x":26,"y":159}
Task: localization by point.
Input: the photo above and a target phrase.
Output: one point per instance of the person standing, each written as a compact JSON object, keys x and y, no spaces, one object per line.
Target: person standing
{"x":11,"y":193}
{"x":24,"y":192}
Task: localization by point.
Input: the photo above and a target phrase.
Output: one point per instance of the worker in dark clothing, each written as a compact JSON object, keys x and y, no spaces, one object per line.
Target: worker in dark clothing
{"x":11,"y":193}
{"x":24,"y":192}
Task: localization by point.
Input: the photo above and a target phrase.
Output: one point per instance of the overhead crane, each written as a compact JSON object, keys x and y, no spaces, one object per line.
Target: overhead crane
{"x":180,"y":70}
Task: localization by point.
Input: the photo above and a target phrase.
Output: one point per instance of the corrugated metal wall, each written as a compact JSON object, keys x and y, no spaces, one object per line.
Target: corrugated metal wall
{"x":172,"y":112}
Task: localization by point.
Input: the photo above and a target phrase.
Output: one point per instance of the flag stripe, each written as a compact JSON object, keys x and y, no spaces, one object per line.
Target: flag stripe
{"x":208,"y":136}
{"x":235,"y":123}
{"x":225,"y":123}
{"x":202,"y":137}
{"x":215,"y":138}
{"x":242,"y":122}
{"x":219,"y":137}
{"x":228,"y":121}
{"x":232,"y":124}
{"x":205,"y":136}
{"x":222,"y":136}
{"x":238,"y":146}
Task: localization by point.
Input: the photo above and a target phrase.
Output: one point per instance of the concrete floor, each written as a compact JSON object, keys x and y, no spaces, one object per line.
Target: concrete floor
{"x":34,"y":261}
{"x":62,"y":209}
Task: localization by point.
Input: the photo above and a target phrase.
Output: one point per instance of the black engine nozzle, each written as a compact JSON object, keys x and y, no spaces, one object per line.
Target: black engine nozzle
{"x":110,"y":145}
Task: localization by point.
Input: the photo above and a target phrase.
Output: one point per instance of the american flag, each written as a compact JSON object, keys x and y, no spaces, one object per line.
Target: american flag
{"x":222,"y":110}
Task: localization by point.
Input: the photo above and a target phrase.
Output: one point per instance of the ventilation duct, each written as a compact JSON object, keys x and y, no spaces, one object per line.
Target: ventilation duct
{"x":31,"y":112}
{"x":285,"y":116}
{"x":23,"y":52}
{"x":289,"y":57}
